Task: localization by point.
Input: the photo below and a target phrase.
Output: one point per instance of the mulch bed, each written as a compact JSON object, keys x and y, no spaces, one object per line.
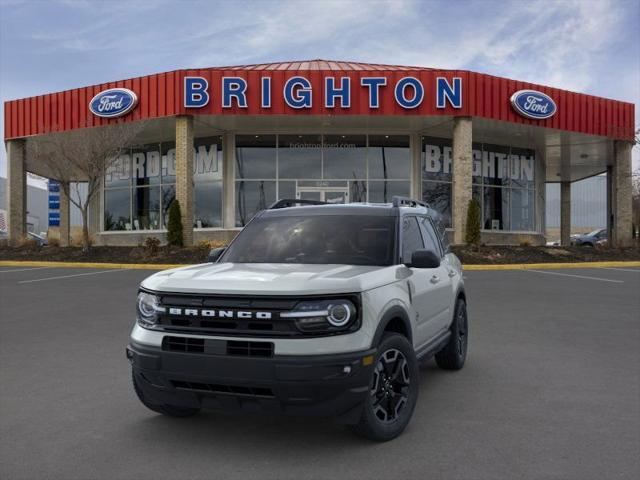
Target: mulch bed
{"x":500,"y":255}
{"x":468,"y":255}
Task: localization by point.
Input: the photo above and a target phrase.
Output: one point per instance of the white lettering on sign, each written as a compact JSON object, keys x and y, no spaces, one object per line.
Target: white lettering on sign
{"x":533,"y":104}
{"x":152,"y":163}
{"x":108,"y":104}
{"x":488,"y":164}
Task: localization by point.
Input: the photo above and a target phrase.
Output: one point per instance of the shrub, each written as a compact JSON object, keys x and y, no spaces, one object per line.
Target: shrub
{"x":174,"y":226}
{"x":152,"y":245}
{"x":472,"y":236}
{"x":54,"y":242}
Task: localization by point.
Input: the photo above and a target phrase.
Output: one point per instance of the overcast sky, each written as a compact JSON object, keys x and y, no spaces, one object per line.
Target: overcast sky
{"x":582,"y":45}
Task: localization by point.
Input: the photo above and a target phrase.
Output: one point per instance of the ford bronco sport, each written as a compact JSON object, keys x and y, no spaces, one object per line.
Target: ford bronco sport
{"x":316,"y":309}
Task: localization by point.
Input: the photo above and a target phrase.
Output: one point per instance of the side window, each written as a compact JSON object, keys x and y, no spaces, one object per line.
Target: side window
{"x":429,"y":235}
{"x":411,"y":238}
{"x":441,"y":231}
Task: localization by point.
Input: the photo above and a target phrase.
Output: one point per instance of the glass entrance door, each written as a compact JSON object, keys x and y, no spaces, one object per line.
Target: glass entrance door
{"x":323,"y":194}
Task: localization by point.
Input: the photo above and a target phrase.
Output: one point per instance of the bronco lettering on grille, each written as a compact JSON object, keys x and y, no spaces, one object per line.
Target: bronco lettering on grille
{"x":194,"y":312}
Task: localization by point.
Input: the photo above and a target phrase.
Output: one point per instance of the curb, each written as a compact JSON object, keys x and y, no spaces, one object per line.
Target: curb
{"x":551,"y":266}
{"x":131,"y":266}
{"x":165,"y":266}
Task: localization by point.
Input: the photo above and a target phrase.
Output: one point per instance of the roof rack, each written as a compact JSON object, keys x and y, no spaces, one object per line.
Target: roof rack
{"x":408,"y":202}
{"x":290,"y":202}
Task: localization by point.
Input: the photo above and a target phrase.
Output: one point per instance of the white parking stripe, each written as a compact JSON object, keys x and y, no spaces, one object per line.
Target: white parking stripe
{"x":576,"y":276}
{"x":637,"y":270}
{"x":23,"y":269}
{"x":69,"y":276}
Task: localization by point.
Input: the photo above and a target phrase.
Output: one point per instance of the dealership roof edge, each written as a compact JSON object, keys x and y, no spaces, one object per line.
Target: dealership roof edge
{"x":160,"y":94}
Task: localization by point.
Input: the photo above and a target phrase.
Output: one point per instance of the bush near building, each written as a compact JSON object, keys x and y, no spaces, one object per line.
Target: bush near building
{"x":472,"y":236}
{"x":174,"y":227}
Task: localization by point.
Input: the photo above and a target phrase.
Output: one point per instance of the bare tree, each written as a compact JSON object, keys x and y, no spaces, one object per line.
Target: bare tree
{"x":85,"y":156}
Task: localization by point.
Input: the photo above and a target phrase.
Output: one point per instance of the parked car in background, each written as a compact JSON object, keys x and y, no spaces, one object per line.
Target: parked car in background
{"x":591,"y":239}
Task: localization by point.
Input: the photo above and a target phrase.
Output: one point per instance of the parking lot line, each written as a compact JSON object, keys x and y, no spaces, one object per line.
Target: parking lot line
{"x":637,"y":270}
{"x":576,"y":276}
{"x":68,"y":276}
{"x":23,"y":269}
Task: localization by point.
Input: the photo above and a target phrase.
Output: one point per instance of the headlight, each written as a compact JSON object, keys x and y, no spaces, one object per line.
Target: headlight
{"x":148,"y":309}
{"x":323,"y":316}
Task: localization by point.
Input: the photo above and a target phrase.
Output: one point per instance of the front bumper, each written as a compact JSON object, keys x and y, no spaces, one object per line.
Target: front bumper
{"x":315,"y":385}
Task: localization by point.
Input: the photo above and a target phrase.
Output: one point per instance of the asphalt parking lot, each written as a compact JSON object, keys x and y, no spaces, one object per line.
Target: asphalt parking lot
{"x":551,"y":390}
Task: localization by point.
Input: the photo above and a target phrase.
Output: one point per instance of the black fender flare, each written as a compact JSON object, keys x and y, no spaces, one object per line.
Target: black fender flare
{"x":395,"y":311}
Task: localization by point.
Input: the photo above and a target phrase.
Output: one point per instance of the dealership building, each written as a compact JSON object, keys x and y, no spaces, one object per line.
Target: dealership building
{"x":229,"y":141}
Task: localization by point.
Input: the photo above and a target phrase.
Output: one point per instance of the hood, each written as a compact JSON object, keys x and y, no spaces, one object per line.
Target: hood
{"x":271,"y":278}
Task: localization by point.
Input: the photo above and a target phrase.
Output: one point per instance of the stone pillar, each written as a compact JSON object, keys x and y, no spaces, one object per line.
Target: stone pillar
{"x":65,"y":216}
{"x":184,"y":174}
{"x":565,"y":213}
{"x":462,"y":175}
{"x":620,"y":234}
{"x":228,"y":181}
{"x":16,"y":191}
{"x":416,"y":165}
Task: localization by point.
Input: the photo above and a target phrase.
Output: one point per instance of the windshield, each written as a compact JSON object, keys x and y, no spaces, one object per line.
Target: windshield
{"x":341,"y":239}
{"x":594,"y":233}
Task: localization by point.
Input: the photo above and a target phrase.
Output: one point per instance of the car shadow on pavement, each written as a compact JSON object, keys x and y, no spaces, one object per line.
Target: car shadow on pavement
{"x":212,"y":429}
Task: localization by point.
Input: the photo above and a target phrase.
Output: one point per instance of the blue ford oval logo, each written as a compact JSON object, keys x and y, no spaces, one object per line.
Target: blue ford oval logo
{"x":533,"y":104}
{"x":114,"y":102}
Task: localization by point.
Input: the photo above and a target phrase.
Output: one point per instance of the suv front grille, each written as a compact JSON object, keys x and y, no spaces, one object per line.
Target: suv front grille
{"x":235,"y":315}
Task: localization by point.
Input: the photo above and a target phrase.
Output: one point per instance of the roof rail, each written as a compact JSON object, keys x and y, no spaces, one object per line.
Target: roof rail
{"x":290,"y":202}
{"x":408,"y":202}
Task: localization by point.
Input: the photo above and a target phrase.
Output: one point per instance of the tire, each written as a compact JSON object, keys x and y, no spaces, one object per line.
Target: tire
{"x":169,"y":410}
{"x":454,"y":354}
{"x":393,"y":391}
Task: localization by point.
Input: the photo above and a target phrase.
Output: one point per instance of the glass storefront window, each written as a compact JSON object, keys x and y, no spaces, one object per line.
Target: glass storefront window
{"x":117,"y":209}
{"x":168,"y":195}
{"x":118,"y":174}
{"x":521,"y":211}
{"x":299,"y":156}
{"x":255,"y":156}
{"x":345,"y":157}
{"x":436,"y":159}
{"x":150,"y":171}
{"x":251,"y":197}
{"x":496,"y":208}
{"x":208,"y":204}
{"x":503,"y":183}
{"x":522,"y":167}
{"x":389,"y":157}
{"x":381,"y":191}
{"x":438,"y":196}
{"x":146,"y":208}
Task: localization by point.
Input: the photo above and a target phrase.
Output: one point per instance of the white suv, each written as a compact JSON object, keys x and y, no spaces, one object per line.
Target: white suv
{"x":314,"y":310}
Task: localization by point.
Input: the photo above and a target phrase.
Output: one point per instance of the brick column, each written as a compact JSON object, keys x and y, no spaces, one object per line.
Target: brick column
{"x":462,"y":174}
{"x":621,"y":185}
{"x":228,"y":180}
{"x":16,"y":191}
{"x":565,"y":213}
{"x":184,"y":174}
{"x":65,"y":215}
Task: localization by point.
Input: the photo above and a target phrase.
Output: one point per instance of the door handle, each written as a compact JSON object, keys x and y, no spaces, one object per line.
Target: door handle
{"x":435,"y":279}
{"x":452,"y":273}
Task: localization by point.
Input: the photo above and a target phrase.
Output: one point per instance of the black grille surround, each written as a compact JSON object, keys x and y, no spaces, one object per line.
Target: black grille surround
{"x":275,"y":326}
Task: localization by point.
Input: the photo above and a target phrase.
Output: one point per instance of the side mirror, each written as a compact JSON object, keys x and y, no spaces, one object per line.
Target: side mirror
{"x":424,"y":259}
{"x":215,"y":254}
